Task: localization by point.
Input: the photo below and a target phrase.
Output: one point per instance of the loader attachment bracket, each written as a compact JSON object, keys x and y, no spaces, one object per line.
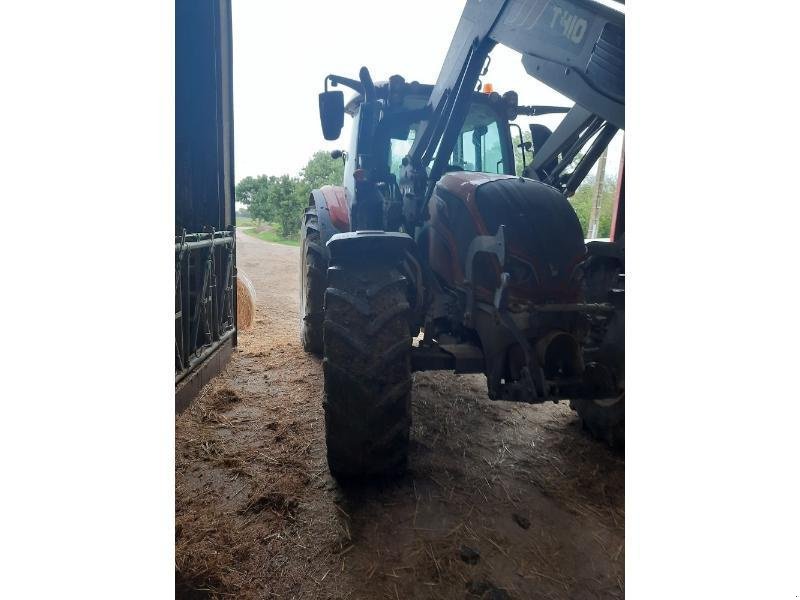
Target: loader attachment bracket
{"x":492,"y":244}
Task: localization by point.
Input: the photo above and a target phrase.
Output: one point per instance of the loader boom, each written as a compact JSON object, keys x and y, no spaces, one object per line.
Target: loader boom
{"x":576,"y":47}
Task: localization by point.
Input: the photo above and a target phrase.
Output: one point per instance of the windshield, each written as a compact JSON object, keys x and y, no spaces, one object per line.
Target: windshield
{"x":479,"y":146}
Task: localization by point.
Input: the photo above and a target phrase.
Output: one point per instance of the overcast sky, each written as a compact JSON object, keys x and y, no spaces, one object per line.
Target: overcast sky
{"x":282,"y":52}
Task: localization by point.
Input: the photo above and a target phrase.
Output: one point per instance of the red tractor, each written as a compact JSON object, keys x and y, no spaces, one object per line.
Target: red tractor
{"x":434,"y":237}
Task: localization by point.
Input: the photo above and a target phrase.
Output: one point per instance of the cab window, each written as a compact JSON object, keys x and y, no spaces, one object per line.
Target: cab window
{"x":478,"y":147}
{"x":399,"y":149}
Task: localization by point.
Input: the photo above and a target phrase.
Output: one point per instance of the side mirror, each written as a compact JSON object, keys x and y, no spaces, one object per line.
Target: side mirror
{"x":539,"y":135}
{"x":331,"y":114}
{"x":336,"y":154}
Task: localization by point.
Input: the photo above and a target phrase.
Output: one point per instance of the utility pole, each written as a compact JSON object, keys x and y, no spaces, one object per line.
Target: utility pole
{"x":594,"y":218}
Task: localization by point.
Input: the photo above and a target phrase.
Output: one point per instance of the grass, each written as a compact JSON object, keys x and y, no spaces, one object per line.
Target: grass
{"x":248,"y":226}
{"x":244,"y":221}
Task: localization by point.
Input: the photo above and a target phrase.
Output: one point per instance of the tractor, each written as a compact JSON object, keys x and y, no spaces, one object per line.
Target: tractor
{"x":435,"y":254}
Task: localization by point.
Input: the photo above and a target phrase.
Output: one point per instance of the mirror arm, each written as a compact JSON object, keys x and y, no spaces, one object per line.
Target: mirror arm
{"x":339,"y":154}
{"x":346,"y":81}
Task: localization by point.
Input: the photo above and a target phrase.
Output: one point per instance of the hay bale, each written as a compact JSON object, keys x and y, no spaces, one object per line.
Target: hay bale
{"x":245,"y":301}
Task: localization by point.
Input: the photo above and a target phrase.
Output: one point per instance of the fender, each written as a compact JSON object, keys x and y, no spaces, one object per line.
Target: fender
{"x":386,"y":247}
{"x":332,"y":210}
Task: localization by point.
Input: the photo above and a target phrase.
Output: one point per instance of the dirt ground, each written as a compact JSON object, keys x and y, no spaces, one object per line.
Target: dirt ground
{"x":501,"y":500}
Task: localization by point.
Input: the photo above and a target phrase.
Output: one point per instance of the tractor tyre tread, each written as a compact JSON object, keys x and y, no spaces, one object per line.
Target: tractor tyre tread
{"x":367,"y":370}
{"x":603,"y":423}
{"x":313,"y":273}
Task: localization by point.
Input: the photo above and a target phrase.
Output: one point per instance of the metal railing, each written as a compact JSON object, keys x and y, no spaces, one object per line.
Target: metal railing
{"x":205,"y":296}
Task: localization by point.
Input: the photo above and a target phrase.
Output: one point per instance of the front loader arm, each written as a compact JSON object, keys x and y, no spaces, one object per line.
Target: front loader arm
{"x":574,"y":46}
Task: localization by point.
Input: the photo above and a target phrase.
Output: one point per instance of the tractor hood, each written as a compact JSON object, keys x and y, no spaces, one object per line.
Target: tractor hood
{"x":544,"y":237}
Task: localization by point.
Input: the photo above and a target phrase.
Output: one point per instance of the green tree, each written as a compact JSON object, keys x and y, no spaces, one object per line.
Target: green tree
{"x":245,"y":190}
{"x":321,"y":170}
{"x":248,"y":187}
{"x":288,"y":200}
{"x":262,"y":206}
{"x":253,"y":192}
{"x":282,"y":200}
{"x":582,"y":203}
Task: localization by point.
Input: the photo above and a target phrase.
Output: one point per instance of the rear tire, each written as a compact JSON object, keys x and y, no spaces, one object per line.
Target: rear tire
{"x":314,"y":264}
{"x":604,"y":415}
{"x":367,"y":368}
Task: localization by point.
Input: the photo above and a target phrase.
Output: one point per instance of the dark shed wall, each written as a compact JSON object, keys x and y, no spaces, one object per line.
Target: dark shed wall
{"x":204,"y":180}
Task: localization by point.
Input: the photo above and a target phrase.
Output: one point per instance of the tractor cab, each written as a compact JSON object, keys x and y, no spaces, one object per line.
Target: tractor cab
{"x":484,"y":144}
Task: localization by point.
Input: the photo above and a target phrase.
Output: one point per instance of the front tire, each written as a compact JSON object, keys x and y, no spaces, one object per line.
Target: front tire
{"x":603,"y":419}
{"x":367,"y":369}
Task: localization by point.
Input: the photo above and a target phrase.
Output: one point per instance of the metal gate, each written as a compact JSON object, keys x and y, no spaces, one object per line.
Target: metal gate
{"x":205,"y":297}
